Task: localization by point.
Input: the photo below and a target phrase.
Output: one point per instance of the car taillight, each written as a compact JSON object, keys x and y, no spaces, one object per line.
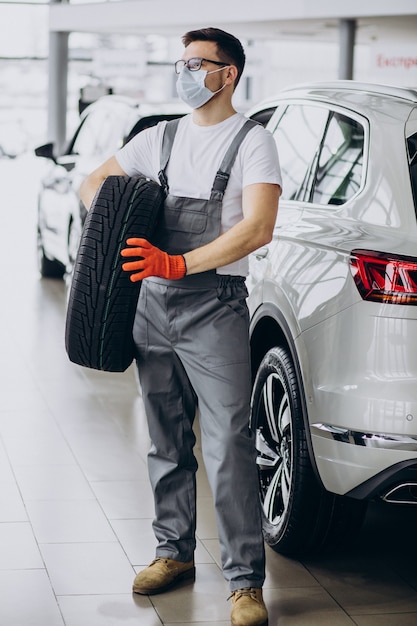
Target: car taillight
{"x":382,"y":277}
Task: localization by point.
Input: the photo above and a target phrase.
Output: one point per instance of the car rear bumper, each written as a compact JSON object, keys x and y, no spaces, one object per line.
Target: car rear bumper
{"x":361,"y":396}
{"x":364,"y":464}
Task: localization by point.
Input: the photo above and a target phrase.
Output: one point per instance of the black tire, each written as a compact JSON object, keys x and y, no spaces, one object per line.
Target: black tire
{"x":48,"y":268}
{"x":102,"y":300}
{"x":299,"y":515}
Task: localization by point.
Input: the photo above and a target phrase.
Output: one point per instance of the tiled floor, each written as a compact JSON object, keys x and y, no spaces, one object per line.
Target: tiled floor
{"x":76,"y":507}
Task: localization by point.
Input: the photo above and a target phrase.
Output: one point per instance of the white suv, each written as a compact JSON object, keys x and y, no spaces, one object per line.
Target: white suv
{"x":334,"y":317}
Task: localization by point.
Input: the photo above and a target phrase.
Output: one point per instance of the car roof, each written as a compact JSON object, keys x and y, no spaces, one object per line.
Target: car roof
{"x":368,"y":99}
{"x":342,"y":86}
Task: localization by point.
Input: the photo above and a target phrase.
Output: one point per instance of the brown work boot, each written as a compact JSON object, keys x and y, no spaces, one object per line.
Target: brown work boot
{"x":248,"y":608}
{"x":161,"y":574}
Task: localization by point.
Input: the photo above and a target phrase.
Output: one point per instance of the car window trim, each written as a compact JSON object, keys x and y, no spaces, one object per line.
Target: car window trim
{"x":365,"y":125}
{"x":331,"y":108}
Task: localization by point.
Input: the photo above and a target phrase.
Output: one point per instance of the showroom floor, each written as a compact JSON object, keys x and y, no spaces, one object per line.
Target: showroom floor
{"x":76,"y":507}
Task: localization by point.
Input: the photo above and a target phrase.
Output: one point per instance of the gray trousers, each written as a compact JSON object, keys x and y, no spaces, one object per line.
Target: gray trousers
{"x":193,"y":348}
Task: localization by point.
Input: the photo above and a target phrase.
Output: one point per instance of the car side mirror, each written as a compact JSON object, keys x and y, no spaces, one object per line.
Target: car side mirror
{"x":46,"y":151}
{"x":67,"y":161}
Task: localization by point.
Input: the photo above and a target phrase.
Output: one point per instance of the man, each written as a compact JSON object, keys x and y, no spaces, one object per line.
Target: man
{"x":191,"y":328}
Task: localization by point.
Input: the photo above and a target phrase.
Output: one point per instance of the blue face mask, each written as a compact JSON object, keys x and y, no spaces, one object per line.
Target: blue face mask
{"x":191,"y":87}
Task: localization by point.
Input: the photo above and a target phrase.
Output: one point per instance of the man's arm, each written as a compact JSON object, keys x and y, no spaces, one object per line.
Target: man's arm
{"x":89,"y":186}
{"x":260,"y":206}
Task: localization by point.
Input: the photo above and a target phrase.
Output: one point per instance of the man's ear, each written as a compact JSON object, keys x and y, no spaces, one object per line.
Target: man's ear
{"x":231,"y":75}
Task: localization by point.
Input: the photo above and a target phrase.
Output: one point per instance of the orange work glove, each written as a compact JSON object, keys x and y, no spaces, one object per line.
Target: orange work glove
{"x":152,"y":261}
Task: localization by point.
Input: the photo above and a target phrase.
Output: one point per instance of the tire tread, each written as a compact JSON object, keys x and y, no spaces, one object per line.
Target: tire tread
{"x":102,"y":301}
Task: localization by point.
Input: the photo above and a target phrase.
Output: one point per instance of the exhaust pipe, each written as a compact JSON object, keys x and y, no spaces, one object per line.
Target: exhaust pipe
{"x":404,"y":493}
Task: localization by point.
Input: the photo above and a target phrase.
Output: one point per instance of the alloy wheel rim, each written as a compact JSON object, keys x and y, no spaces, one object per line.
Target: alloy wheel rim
{"x":274,"y":447}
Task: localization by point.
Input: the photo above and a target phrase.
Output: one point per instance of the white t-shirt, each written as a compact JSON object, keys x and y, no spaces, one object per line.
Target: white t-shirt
{"x":195,"y":158}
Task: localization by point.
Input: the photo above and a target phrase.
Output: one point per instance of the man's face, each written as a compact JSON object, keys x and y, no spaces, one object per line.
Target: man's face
{"x":207,"y":50}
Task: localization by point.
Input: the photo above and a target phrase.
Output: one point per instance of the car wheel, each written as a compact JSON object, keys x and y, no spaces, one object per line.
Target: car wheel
{"x":102,"y":299}
{"x":48,"y":268}
{"x":74,"y":237}
{"x":299,"y":516}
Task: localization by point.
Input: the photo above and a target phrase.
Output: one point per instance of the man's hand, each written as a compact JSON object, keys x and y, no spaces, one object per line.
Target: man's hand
{"x":152,"y":261}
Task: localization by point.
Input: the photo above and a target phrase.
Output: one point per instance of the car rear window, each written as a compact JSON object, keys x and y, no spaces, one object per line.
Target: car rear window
{"x":412,"y":164}
{"x":338,"y":176}
{"x":298,"y":136}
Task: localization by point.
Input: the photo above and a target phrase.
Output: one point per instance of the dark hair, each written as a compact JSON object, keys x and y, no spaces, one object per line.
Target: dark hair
{"x":229,"y":48}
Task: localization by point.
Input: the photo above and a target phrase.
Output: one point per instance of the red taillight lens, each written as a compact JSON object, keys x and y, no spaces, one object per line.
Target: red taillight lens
{"x":382,"y":277}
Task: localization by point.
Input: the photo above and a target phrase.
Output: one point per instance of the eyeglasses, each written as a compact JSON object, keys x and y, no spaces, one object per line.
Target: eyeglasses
{"x":194,"y":64}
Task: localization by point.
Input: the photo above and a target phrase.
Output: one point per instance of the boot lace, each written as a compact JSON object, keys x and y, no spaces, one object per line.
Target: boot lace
{"x":247,"y":591}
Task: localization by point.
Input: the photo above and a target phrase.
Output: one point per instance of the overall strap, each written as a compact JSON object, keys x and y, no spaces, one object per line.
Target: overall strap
{"x":223,"y":173}
{"x":167,"y":141}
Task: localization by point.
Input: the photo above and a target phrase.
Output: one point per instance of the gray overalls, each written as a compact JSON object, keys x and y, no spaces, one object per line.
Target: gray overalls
{"x":192,"y":346}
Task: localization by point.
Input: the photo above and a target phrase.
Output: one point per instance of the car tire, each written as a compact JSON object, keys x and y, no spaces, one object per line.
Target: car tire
{"x":48,"y":268}
{"x":102,"y":299}
{"x":299,"y":515}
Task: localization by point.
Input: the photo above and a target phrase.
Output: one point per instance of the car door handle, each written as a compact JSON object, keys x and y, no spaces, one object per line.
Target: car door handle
{"x":261,"y":253}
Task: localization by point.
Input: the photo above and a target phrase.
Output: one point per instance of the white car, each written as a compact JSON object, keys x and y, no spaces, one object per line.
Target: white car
{"x":333,"y":314}
{"x":104,"y":127}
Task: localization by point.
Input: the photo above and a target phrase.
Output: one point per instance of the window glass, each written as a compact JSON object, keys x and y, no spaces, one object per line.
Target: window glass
{"x":339,"y":171}
{"x":412,"y":164}
{"x":101,"y":133}
{"x":298,"y":137}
